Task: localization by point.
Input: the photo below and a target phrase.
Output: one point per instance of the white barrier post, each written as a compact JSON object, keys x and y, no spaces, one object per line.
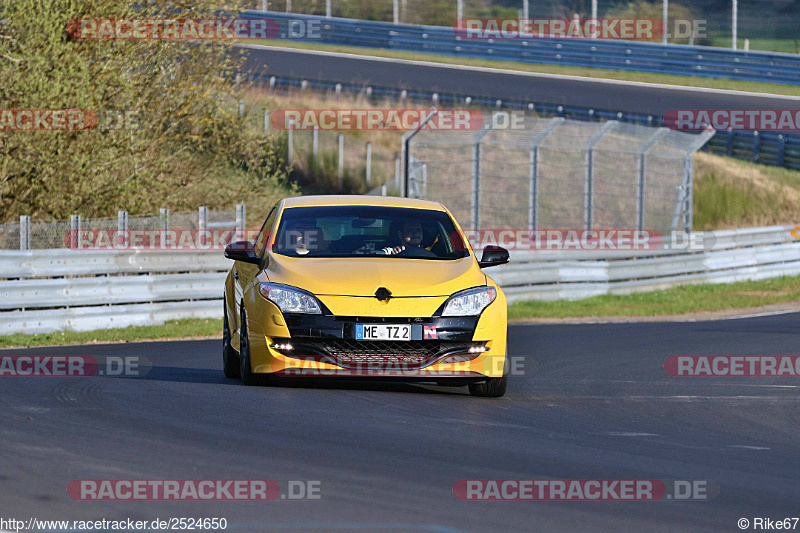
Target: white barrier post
{"x":122,"y":228}
{"x":25,"y":232}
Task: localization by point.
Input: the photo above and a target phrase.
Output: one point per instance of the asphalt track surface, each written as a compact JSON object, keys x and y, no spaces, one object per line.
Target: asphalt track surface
{"x":568,"y":91}
{"x":594,"y":402}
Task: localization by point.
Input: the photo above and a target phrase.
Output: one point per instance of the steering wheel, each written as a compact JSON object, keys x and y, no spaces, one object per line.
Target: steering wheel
{"x":416,"y":252}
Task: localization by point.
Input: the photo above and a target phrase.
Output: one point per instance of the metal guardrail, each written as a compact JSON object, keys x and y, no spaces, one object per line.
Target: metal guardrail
{"x":104,"y":317}
{"x":729,"y":256}
{"x":702,"y":61}
{"x":768,"y":148}
{"x":51,"y":290}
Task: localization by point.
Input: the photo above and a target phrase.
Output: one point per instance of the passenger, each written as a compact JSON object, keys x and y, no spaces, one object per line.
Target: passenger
{"x":303,"y":236}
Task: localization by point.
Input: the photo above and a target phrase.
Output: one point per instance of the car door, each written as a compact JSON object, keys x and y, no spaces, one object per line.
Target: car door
{"x":244,"y":274}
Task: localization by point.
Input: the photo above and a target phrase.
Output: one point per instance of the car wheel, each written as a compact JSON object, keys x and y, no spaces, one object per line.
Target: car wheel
{"x":230,"y":360}
{"x":491,"y":388}
{"x":245,"y":370}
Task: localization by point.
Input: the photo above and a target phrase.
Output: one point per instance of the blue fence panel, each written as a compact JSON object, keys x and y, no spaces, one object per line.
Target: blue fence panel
{"x":703,"y":61}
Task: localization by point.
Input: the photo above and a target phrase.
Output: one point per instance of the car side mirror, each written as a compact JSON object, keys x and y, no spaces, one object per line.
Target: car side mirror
{"x":493,"y":256}
{"x":243,"y":251}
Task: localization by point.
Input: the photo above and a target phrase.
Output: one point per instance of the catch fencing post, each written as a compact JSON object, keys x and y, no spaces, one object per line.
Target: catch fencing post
{"x":122,"y":228}
{"x":640,"y":172}
{"x":475,"y":196}
{"x":266,"y":121}
{"x":404,"y":156}
{"x":202,"y":224}
{"x":589,"y":171}
{"x":396,"y":172}
{"x":289,"y":154}
{"x":341,"y":161}
{"x":368,"y":171}
{"x":24,"y":232}
{"x":241,"y":217}
{"x":74,"y":231}
{"x":701,"y":141}
{"x":315,"y":141}
{"x":163,"y":214}
{"x":533,"y":172}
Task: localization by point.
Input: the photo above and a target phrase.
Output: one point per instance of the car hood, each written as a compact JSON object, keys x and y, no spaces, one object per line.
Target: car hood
{"x":363,"y":276}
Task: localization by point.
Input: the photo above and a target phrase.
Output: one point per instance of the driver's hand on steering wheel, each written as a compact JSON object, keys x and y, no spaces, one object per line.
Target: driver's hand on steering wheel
{"x":395,"y":250}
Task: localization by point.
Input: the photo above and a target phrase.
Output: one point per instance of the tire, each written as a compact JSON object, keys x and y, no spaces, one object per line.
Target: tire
{"x":230,"y":359}
{"x":245,"y":368}
{"x":491,"y":388}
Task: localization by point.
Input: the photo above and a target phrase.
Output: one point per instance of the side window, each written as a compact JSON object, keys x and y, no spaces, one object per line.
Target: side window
{"x":262,"y":238}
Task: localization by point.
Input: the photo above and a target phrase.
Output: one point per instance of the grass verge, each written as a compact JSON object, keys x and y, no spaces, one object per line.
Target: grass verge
{"x":172,"y":329}
{"x":623,"y":75}
{"x":676,"y":301}
{"x":731,"y":193}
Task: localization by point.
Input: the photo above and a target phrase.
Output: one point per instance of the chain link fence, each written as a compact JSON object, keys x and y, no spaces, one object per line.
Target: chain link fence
{"x":31,"y":234}
{"x":534,"y":173}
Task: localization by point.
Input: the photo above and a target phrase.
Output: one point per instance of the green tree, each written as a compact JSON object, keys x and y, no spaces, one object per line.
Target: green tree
{"x":175,"y":98}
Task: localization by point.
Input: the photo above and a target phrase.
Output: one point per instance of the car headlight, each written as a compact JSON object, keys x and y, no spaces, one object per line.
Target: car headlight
{"x":469,"y":302}
{"x":289,"y":299}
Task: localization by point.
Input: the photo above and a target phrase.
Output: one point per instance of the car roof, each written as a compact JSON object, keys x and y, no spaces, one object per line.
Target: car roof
{"x":352,"y":199}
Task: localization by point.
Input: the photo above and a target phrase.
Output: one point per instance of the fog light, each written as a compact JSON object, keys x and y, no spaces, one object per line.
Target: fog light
{"x":281,"y":346}
{"x":478,"y":349}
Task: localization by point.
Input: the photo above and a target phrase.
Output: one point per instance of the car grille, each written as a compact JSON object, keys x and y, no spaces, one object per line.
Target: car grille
{"x":349,"y":353}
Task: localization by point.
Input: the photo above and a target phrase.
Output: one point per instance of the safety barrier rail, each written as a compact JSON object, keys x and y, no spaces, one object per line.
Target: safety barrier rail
{"x":702,"y":61}
{"x":51,"y":290}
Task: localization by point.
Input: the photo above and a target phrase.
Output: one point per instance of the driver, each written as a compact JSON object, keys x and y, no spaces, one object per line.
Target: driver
{"x":410,"y":237}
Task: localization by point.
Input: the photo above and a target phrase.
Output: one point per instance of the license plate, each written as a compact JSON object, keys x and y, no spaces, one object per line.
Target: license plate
{"x":383,"y":332}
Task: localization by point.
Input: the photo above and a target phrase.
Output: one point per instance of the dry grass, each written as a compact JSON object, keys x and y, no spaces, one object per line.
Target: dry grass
{"x":730,"y":193}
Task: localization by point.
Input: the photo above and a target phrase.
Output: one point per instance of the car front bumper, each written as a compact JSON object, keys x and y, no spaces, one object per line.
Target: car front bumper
{"x":441,"y":348}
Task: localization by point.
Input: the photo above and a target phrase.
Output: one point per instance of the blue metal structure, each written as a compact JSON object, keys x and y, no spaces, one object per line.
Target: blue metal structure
{"x":702,"y":61}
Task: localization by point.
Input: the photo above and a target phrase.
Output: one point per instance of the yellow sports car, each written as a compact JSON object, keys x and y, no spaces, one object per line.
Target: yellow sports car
{"x":364,"y":287}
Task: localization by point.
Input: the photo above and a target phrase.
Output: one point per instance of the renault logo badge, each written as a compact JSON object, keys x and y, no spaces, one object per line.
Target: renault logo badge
{"x":383,"y":294}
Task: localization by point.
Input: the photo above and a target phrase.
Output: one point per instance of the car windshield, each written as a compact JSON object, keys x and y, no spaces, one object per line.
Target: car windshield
{"x":358,"y":231}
